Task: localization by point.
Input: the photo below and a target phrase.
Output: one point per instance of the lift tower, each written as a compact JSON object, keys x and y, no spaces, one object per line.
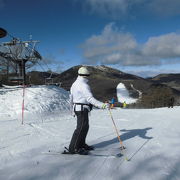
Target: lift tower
{"x":18,"y":56}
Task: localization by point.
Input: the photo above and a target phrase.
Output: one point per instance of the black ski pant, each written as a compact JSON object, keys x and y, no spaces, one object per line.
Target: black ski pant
{"x":78,"y":139}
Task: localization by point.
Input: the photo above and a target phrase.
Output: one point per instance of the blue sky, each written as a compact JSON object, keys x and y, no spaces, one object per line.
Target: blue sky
{"x":136,"y":36}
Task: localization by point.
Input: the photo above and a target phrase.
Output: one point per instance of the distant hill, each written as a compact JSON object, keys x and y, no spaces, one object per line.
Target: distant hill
{"x":155,"y":92}
{"x":171,"y":80}
{"x":40,"y":78}
{"x":104,"y":80}
{"x":33,"y":77}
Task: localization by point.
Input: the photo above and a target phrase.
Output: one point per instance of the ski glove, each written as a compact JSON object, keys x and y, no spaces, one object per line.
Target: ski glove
{"x":106,"y":106}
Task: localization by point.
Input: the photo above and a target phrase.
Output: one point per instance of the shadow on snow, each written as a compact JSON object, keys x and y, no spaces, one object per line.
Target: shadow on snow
{"x":125,"y":136}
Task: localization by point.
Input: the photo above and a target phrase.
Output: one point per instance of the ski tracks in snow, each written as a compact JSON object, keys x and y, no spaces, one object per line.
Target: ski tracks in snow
{"x":42,"y":130}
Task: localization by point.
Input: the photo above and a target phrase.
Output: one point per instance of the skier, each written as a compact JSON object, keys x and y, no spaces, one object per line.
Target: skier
{"x":112,"y":102}
{"x":171,"y":102}
{"x":82,"y":101}
{"x":124,"y":104}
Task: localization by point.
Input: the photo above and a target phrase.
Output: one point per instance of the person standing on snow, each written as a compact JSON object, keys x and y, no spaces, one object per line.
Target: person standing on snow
{"x":112,"y":102}
{"x":171,"y":102}
{"x":82,"y":101}
{"x":124,"y":104}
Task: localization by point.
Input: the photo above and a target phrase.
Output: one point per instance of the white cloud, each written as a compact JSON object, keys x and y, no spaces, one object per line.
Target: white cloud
{"x":116,"y":47}
{"x":119,"y":9}
{"x":165,"y":46}
{"x":109,"y":46}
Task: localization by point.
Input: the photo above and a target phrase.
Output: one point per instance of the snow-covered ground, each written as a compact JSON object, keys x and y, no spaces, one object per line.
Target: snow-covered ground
{"x":151,"y":137}
{"x":37,"y":99}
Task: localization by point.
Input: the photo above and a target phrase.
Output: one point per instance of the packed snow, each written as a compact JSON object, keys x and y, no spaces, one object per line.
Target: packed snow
{"x":151,"y":137}
{"x":37,"y":99}
{"x":123,"y":94}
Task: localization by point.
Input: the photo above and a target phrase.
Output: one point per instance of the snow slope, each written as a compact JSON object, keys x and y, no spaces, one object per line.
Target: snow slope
{"x":150,"y":135}
{"x":123,"y":94}
{"x":37,"y":99}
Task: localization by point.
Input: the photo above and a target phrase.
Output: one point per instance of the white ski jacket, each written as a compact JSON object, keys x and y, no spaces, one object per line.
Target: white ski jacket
{"x":80,"y":93}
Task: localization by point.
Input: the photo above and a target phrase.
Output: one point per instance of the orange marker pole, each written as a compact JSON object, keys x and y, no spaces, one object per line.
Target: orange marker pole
{"x":120,"y":141}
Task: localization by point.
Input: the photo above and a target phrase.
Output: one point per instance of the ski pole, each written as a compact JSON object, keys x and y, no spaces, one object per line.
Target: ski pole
{"x":120,"y":141}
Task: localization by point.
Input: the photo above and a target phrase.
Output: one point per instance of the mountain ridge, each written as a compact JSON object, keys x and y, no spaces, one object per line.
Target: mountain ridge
{"x":104,"y":80}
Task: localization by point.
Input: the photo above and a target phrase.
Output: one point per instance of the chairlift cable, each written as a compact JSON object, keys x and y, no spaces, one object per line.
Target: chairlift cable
{"x":49,"y":69}
{"x":41,"y":66}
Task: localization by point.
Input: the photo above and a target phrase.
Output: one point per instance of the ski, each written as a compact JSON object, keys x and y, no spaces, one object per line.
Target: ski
{"x":107,"y":155}
{"x":107,"y":149}
{"x":89,"y":154}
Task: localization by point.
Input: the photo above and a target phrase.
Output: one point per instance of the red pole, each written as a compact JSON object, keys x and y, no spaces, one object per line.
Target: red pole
{"x":23,"y":104}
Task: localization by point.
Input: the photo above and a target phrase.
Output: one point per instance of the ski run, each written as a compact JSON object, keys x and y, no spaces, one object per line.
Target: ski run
{"x":151,"y":137}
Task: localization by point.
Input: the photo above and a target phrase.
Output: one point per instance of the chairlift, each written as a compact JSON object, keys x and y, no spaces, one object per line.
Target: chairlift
{"x":19,"y":55}
{"x":49,"y":81}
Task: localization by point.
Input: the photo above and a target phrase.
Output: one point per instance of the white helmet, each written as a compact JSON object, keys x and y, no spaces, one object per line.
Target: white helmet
{"x":83,"y":71}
